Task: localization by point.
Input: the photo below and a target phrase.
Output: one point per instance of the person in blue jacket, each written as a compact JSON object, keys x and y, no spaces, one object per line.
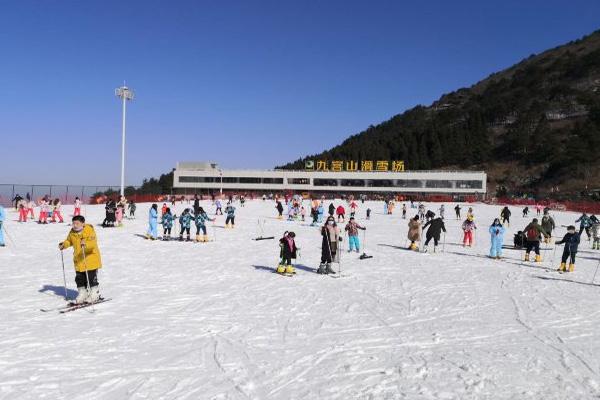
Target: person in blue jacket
{"x":571,"y":241}
{"x":200,"y":221}
{"x":584,"y":224}
{"x":497,"y":236}
{"x":2,"y":218}
{"x":184,"y":222}
{"x":153,"y":222}
{"x":167,"y":223}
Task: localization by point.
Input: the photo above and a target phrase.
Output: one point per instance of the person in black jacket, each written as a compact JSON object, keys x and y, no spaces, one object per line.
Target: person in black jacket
{"x":279,"y":208}
{"x":331,"y":209}
{"x":571,"y":242}
{"x":505,"y":214}
{"x":436,"y":226}
{"x":196,"y":204}
{"x":288,"y":251}
{"x":329,"y":245}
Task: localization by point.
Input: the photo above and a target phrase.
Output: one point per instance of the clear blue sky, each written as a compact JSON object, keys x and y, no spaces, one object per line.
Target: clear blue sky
{"x":248,"y":84}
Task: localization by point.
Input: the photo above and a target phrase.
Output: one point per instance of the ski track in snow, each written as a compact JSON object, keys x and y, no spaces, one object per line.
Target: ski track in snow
{"x":212,"y":320}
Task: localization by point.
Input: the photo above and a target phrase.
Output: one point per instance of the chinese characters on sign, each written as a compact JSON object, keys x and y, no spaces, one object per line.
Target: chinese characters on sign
{"x":355,"y":166}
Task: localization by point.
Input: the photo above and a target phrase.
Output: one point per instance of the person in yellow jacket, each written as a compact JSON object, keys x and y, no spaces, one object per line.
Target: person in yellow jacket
{"x":86,"y":258}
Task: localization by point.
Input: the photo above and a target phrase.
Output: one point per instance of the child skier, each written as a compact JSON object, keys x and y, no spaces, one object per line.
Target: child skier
{"x":77,"y":207}
{"x":584,"y":224}
{"x":525,"y":211}
{"x":596,"y":236}
{"x":352,"y":228}
{"x":532,"y":239}
{"x":200,"y":222}
{"x":30,"y":207}
{"x":86,"y":258}
{"x":505,"y":215}
{"x":468,"y":228}
{"x":414,"y":232}
{"x":404,"y":211}
{"x":230,"y":211}
{"x":56,"y":211}
{"x":184,"y":221}
{"x":353,"y":208}
{"x":218,"y":210}
{"x":43,"y":212}
{"x":548,"y":225}
{"x":153,"y":222}
{"x":368,"y":213}
{"x":457,"y":211}
{"x":341,"y":213}
{"x":132,"y":207}
{"x":571,"y":242}
{"x":288,"y":251}
{"x":22,"y":206}
{"x":167,"y":223}
{"x":442,"y":211}
{"x":279,"y":208}
{"x":497,"y":238}
{"x":329,"y":244}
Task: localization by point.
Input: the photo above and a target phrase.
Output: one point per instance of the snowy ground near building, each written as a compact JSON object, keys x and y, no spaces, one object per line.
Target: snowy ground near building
{"x":213,"y":321}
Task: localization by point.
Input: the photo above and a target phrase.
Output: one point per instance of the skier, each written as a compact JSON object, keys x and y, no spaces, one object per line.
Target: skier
{"x":596,"y":235}
{"x":470,"y":213}
{"x":22,"y":206}
{"x":422,"y":212}
{"x":321,"y":212}
{"x":302,"y":213}
{"x":196,"y":204}
{"x":442,"y":211}
{"x":468,"y":228}
{"x":86,"y":258}
{"x":30,"y":207}
{"x":352,"y":228}
{"x":497,"y":238}
{"x":288,"y":250}
{"x":109,"y":219}
{"x":77,"y":207}
{"x":132,"y":207}
{"x":200,"y":222}
{"x":218,"y":210}
{"x":341,"y":213}
{"x":120,"y":210}
{"x":314,"y":214}
{"x":404,"y":211}
{"x":331,"y":209}
{"x":532,"y":239}
{"x":163,"y":210}
{"x":43,"y":212}
{"x":329,"y":245}
{"x":242,"y":200}
{"x":167,"y":223}
{"x":548,"y":225}
{"x":368,"y":213}
{"x":525,"y":212}
{"x":457,"y":211}
{"x":571,"y":241}
{"x":152,"y":222}
{"x":436,"y":226}
{"x":230,"y":211}
{"x":505,"y":215}
{"x":353,"y":208}
{"x":584,"y":224}
{"x":279,"y":208}
{"x":184,"y":221}
{"x":414,"y":232}
{"x":2,"y":218}
{"x":538,"y":209}
{"x":385,"y":207}
{"x":56,"y":211}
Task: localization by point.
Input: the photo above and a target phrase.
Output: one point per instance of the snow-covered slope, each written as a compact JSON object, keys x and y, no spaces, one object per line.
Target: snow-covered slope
{"x":212,"y":321}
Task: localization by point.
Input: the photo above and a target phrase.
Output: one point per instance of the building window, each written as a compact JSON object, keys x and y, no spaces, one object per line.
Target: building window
{"x":409,"y":183}
{"x":353,"y":182}
{"x":380,"y":183}
{"x":326,"y":182}
{"x":277,"y":181}
{"x":249,"y":180}
{"x":298,"y":181}
{"x":438,"y":184}
{"x":230,"y":180}
{"x":469,"y":184}
{"x":195,"y":179}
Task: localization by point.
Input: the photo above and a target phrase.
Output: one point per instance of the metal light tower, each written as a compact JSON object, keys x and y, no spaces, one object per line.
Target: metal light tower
{"x":125,"y":94}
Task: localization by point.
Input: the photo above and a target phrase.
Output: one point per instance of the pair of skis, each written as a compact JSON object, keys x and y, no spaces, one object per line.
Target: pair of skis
{"x":73,"y":306}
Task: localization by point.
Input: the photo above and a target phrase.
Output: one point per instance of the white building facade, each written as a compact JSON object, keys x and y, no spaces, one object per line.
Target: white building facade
{"x":204,"y":177}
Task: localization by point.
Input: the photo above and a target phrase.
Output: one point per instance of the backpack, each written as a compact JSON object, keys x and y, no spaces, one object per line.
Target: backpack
{"x":532,"y":234}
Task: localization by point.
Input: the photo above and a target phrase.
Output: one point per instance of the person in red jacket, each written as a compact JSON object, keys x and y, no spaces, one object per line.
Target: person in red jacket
{"x":341,"y":213}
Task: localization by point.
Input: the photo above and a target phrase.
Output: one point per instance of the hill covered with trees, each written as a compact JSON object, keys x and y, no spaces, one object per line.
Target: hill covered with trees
{"x":533,"y":127}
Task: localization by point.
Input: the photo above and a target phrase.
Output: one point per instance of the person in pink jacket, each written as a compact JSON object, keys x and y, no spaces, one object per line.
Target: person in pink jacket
{"x":56,"y":213}
{"x":77,"y":210}
{"x":44,"y":208}
{"x":30,"y":207}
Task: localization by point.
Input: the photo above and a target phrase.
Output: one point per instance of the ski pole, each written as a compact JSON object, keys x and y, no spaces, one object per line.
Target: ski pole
{"x":8,"y":236}
{"x":444,"y":243}
{"x":596,"y":271}
{"x":62,"y":259}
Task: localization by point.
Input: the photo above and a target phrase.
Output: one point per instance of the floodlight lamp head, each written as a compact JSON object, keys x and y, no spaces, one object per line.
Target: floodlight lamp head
{"x":124,"y":92}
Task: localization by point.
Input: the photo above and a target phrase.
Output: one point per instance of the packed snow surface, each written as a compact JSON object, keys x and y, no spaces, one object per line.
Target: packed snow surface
{"x":213,"y":320}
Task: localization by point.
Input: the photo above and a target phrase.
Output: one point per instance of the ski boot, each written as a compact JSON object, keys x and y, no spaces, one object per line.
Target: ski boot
{"x":94,"y":294}
{"x":571,"y":267}
{"x":290,"y":270}
{"x":527,"y":257}
{"x":321,"y":269}
{"x":281,"y":269}
{"x":82,"y":295}
{"x":188,"y":239}
{"x":435,"y":249}
{"x":538,"y":258}
{"x":181,"y":238}
{"x":328,"y":269}
{"x":563,"y":267}
{"x":414,"y":247}
{"x":425,"y":249}
{"x":198,"y":238}
{"x":205,"y":238}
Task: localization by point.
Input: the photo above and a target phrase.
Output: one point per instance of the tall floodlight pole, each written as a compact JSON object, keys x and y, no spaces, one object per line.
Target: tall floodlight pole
{"x":221,"y":187}
{"x":125,"y":94}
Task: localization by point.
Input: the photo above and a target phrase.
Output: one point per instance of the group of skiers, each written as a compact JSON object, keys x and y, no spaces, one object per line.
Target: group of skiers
{"x":115,"y":212}
{"x":50,"y":209}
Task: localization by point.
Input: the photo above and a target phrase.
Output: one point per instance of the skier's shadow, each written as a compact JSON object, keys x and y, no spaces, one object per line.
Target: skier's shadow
{"x":547,"y":278}
{"x":297,"y":266}
{"x":59,"y":291}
